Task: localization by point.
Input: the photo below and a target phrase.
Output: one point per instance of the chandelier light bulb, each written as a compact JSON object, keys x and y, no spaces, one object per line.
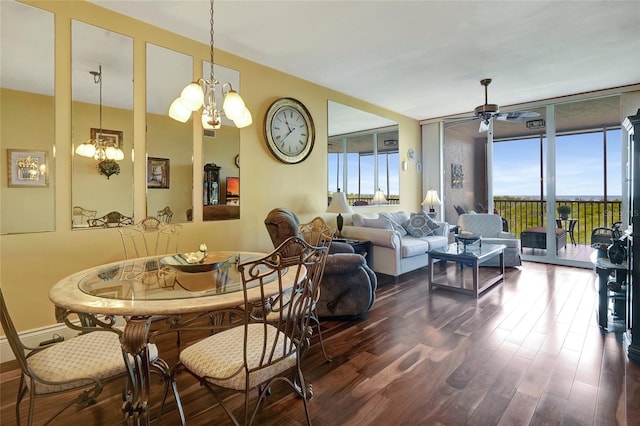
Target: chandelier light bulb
{"x":233,"y":105}
{"x":178,"y":111}
{"x":192,"y":96}
{"x":244,"y":119}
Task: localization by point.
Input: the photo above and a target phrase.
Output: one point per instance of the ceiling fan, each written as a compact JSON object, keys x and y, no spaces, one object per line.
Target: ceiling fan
{"x":487,"y":112}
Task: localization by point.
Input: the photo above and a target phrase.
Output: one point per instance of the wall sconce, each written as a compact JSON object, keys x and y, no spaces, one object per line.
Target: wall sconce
{"x":201,"y":94}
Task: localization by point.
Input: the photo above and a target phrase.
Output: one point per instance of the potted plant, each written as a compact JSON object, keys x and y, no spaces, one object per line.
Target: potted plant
{"x":564,"y":211}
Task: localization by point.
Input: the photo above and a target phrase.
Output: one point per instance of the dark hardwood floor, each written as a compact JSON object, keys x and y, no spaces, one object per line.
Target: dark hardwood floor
{"x":527,"y":352}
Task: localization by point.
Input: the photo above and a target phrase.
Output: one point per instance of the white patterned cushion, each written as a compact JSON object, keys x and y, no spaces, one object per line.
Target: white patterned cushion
{"x":97,"y":354}
{"x":420,"y":225}
{"x":219,"y":358}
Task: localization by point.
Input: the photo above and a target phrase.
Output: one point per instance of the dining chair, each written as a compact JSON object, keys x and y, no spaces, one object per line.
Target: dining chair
{"x":84,"y":363}
{"x":150,"y":237}
{"x":264,"y":349}
{"x":82,"y":216}
{"x":165,"y":215}
{"x":319,"y":234}
{"x":111,"y":219}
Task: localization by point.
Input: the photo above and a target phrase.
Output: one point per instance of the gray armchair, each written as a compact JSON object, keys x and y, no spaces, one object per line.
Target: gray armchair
{"x":348,"y":285}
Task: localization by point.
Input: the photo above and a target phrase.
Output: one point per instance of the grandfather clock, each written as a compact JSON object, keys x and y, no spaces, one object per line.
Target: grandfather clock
{"x":632,"y":335}
{"x":211,"y":185}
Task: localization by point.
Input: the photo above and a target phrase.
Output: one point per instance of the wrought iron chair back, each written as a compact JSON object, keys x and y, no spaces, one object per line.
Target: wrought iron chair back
{"x":273,"y":338}
{"x":165,"y":215}
{"x":82,"y":216}
{"x":150,"y":237}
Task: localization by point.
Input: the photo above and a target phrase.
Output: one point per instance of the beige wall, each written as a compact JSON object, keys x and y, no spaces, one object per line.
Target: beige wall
{"x":24,"y":209}
{"x":31,"y":263}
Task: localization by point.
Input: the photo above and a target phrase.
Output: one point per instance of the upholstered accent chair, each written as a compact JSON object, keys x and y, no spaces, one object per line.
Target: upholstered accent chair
{"x":489,"y":228}
{"x":348,"y":285}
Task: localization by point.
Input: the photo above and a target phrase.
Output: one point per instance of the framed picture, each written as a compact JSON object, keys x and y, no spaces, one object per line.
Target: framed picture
{"x":113,"y":136}
{"x":457,"y":176}
{"x":157,"y":172}
{"x":28,"y":168}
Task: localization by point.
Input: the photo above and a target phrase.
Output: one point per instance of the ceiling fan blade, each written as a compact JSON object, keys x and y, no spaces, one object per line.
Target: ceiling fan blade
{"x":516,"y":116}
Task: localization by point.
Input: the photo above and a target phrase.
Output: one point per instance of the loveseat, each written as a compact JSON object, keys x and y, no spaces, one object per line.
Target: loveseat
{"x":395,"y":251}
{"x":348,"y":285}
{"x":489,"y":228}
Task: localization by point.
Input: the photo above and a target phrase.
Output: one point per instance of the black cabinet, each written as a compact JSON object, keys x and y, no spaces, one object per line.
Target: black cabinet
{"x":211,"y":185}
{"x":632,"y":335}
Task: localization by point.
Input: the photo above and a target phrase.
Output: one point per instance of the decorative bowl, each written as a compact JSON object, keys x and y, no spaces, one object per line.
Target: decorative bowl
{"x":210,"y":262}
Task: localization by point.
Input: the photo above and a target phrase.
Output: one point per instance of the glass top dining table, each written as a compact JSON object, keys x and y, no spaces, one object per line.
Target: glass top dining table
{"x":144,"y":289}
{"x":155,"y":286}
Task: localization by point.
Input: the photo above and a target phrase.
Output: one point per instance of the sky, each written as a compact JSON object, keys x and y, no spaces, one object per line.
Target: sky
{"x":579,"y":165}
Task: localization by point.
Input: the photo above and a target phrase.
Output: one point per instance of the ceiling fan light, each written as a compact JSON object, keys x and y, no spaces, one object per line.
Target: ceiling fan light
{"x":178,"y":111}
{"x":192,"y":96}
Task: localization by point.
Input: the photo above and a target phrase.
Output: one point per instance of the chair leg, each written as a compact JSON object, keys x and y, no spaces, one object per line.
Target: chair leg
{"x":314,"y":317}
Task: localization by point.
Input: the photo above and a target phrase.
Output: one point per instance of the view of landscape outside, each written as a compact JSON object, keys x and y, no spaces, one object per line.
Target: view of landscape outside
{"x":589,"y":180}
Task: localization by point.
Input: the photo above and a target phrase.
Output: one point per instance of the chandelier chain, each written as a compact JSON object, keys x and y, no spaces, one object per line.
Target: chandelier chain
{"x":211,"y":33}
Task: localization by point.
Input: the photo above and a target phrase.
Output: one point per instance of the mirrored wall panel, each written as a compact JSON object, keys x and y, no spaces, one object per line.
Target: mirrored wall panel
{"x":26,"y":93}
{"x":221,"y":157}
{"x":102,"y":126}
{"x":169,"y":142}
{"x":363,"y":156}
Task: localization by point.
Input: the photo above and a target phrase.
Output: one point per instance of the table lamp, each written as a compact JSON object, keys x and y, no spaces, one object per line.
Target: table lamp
{"x":339,"y":205}
{"x":431,"y":200}
{"x":379,"y":198}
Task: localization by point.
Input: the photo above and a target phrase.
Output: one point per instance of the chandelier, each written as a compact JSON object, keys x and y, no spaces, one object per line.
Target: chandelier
{"x":98,"y":147}
{"x":201,"y":94}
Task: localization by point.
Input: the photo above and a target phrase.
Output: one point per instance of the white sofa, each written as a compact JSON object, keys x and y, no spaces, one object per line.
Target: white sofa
{"x":489,"y":228}
{"x":394,"y":251}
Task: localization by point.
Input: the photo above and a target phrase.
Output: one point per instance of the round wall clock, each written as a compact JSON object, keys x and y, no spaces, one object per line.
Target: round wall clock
{"x":289,"y":130}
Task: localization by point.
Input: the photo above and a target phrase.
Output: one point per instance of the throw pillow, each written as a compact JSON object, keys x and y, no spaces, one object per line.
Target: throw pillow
{"x":420,"y":225}
{"x":394,"y":225}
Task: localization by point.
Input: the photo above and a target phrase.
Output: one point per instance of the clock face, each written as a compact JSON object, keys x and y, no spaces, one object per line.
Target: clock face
{"x":289,"y":130}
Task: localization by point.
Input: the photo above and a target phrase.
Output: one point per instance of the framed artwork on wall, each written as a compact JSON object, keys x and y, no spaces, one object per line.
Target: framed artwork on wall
{"x":457,"y":176}
{"x":113,"y":137}
{"x":27,"y":168}
{"x":157,"y":172}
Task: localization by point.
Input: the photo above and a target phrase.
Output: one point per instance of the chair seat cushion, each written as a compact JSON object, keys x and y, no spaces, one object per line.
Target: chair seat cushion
{"x":97,"y":354}
{"x":219,"y":358}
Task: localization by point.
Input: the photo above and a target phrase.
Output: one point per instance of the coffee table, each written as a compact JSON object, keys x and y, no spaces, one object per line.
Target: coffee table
{"x":470,"y":256}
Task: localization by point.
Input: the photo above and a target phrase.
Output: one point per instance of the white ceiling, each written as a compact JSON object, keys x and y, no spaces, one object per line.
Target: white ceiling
{"x":423,"y":59}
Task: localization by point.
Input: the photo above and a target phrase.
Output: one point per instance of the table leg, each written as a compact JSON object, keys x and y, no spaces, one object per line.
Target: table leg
{"x":430,"y":273}
{"x":476,"y":274}
{"x":135,"y":345}
{"x":603,"y":315}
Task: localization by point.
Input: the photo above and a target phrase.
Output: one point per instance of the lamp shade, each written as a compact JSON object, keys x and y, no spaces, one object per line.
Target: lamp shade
{"x":339,"y":203}
{"x":431,"y":199}
{"x":233,"y":105}
{"x":178,"y":111}
{"x":192,"y":96}
{"x":379,"y":198}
